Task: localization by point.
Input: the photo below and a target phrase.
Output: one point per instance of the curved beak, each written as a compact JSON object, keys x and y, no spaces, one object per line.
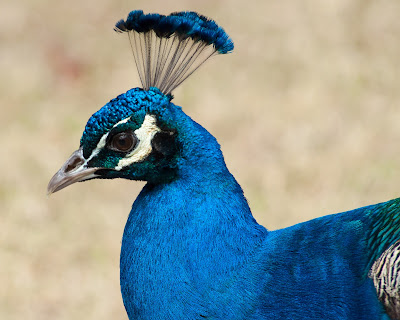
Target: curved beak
{"x":73,"y":170}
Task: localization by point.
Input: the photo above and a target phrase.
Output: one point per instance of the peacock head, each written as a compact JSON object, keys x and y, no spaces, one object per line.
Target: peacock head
{"x":141,"y":134}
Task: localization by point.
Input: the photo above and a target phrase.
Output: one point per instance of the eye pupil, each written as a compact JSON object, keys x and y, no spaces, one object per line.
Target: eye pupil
{"x":123,"y":141}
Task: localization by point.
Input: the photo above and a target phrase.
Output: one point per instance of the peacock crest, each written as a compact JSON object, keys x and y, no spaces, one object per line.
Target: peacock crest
{"x":168,"y":49}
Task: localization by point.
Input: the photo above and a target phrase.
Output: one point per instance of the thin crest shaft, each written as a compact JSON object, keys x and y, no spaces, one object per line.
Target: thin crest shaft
{"x":168,"y":49}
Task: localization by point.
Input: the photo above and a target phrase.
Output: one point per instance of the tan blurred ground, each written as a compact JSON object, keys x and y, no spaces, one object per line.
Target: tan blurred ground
{"x":307,"y":110}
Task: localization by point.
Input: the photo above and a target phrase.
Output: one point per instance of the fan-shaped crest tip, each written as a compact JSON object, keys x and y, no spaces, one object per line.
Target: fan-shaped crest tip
{"x":168,"y":49}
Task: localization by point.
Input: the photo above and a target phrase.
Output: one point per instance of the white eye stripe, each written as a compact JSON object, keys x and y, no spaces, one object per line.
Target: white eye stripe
{"x":101,"y":144}
{"x":145,"y":135}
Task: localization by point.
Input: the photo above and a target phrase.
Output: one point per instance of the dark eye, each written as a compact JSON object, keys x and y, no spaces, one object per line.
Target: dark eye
{"x":123,"y":141}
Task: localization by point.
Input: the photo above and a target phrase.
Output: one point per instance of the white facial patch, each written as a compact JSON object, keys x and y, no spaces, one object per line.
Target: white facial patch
{"x":144,"y":135}
{"x":102,"y":143}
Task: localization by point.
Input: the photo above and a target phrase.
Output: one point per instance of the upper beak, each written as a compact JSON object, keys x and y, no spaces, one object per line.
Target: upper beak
{"x":73,"y":170}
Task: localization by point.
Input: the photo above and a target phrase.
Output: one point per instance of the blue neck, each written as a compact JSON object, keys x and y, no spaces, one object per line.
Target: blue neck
{"x":205,"y":202}
{"x":186,"y":233}
{"x":193,"y":213}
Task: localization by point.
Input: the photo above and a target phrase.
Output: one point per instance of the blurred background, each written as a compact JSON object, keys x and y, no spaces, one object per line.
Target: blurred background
{"x":307,"y":110}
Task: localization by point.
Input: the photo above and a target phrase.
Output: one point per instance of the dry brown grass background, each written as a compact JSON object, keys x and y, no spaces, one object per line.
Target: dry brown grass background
{"x":306,"y":110}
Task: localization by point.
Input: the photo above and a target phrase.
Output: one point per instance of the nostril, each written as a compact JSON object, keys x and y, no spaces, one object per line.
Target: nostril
{"x":73,"y":164}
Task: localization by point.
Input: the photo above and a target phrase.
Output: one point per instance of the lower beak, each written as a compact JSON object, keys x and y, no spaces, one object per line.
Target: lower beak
{"x":73,"y":170}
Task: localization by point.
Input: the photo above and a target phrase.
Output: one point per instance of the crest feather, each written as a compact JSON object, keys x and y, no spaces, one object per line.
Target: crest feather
{"x":168,"y":49}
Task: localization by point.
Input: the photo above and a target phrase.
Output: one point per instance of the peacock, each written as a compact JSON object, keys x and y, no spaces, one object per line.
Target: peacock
{"x":191,"y":248}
